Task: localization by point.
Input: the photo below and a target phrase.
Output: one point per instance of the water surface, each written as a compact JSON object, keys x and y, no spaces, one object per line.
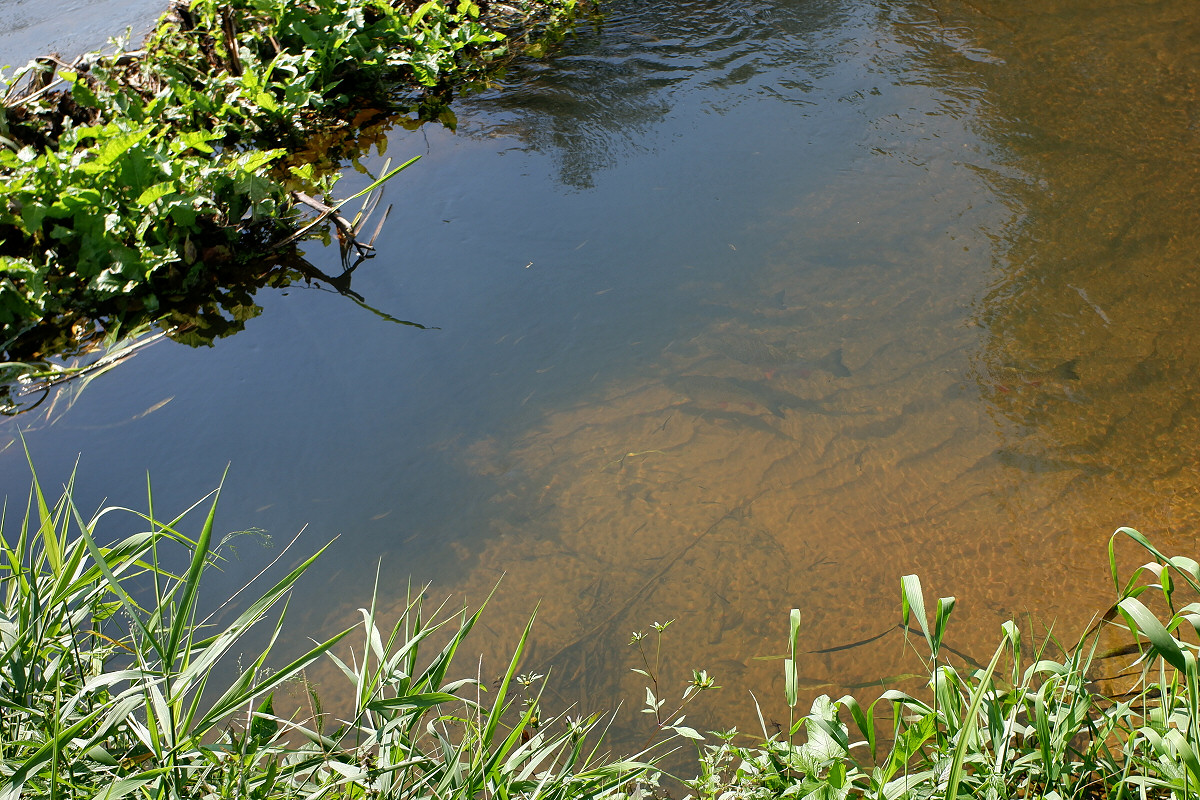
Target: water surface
{"x":736,"y":307}
{"x":29,"y":28}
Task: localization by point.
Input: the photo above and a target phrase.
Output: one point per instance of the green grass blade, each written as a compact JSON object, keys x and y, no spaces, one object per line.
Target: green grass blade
{"x":791,"y":686}
{"x":184,"y":612}
{"x":502,"y":691}
{"x":11,"y":785}
{"x":966,"y":731}
{"x":912,"y":602}
{"x":114,"y":585}
{"x":244,"y":690}
{"x":1140,"y":618}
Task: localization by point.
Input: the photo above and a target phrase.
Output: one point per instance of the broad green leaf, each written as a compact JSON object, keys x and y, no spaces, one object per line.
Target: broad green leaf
{"x":198,"y":140}
{"x":912,"y":602}
{"x":1164,"y":644}
{"x":115,"y":147}
{"x":688,"y":733}
{"x":155,"y":192}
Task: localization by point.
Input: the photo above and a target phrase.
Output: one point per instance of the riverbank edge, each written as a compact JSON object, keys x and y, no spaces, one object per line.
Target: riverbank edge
{"x":140,"y":183}
{"x":108,"y":696}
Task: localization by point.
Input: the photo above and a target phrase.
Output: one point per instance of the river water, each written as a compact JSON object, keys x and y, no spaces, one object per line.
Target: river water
{"x":31,"y":28}
{"x":733,"y":307}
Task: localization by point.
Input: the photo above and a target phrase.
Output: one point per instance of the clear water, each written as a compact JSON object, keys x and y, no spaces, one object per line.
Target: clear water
{"x":737,"y":307}
{"x":32,"y":28}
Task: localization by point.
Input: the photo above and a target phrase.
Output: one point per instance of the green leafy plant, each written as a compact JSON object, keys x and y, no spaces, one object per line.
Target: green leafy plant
{"x":656,"y":704}
{"x":1018,"y":726}
{"x":131,"y":183}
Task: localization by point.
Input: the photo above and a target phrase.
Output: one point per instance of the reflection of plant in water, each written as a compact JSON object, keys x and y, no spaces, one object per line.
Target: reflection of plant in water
{"x":589,"y":113}
{"x":76,"y":346}
{"x":24,"y":386}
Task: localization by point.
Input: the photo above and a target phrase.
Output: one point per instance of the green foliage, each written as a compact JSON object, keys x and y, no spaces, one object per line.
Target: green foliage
{"x":280,"y":67}
{"x":656,"y":703}
{"x":107,"y":687}
{"x":120,"y":203}
{"x":1019,"y":726}
{"x":129,"y":180}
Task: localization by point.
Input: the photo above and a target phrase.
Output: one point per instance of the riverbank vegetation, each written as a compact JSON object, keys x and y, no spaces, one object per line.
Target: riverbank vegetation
{"x":110,"y":658}
{"x":164,"y":185}
{"x":108,"y":654}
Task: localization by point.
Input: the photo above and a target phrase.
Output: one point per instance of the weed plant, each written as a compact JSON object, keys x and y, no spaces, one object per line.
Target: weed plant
{"x":1025,"y":725}
{"x":106,"y":687}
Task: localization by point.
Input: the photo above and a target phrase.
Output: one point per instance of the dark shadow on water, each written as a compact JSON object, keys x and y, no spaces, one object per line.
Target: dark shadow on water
{"x":26,"y":383}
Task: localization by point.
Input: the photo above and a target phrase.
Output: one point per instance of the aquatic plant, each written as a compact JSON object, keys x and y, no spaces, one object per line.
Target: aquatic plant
{"x":107,"y":685}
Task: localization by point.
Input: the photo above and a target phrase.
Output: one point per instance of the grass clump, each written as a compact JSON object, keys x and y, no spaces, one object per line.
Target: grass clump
{"x":107,"y":690}
{"x":107,"y":687}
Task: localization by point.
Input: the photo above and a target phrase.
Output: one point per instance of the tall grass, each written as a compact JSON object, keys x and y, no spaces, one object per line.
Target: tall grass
{"x":106,"y":687}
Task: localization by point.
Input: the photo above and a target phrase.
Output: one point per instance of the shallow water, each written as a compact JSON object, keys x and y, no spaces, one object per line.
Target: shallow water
{"x":738,"y":307}
{"x":29,"y":28}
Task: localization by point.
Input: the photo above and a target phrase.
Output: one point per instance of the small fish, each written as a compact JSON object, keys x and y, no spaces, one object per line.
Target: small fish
{"x":1066,"y":371}
{"x":727,"y":667}
{"x":880,"y":429}
{"x":749,"y":421}
{"x":748,"y":349}
{"x":1039,"y":465}
{"x":1061,"y":374}
{"x":800,"y":367}
{"x":709,"y":391}
{"x":883,"y":428}
{"x":757,"y":352}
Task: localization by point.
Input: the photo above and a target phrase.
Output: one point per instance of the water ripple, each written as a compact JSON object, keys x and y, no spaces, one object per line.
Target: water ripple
{"x":595,"y":102}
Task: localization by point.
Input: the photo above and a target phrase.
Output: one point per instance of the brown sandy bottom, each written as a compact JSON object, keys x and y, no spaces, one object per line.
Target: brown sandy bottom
{"x":978,"y":389}
{"x":794,"y":457}
{"x":809,"y":454}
